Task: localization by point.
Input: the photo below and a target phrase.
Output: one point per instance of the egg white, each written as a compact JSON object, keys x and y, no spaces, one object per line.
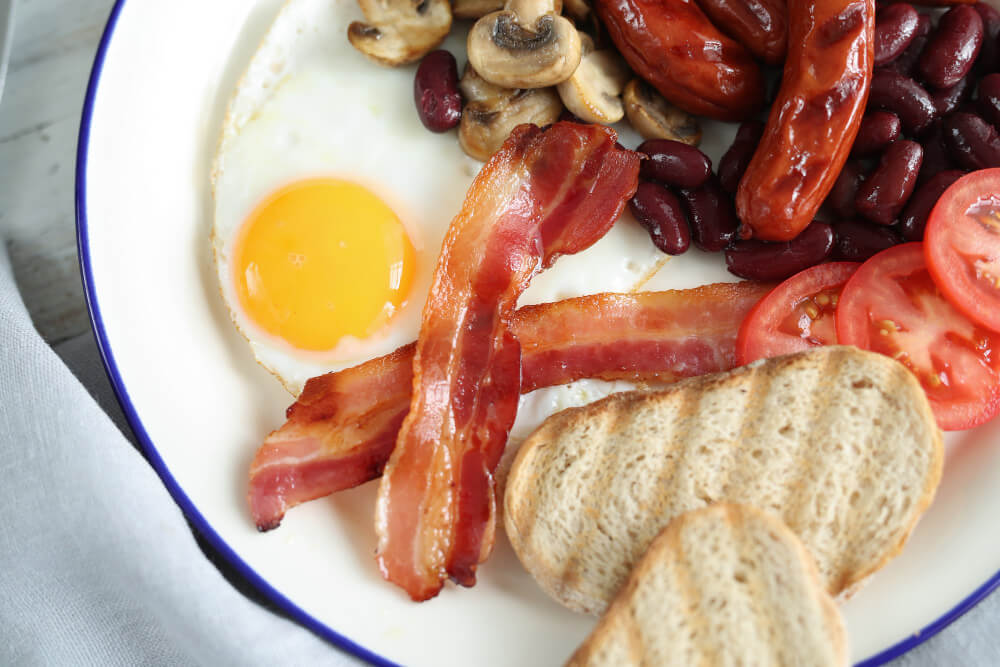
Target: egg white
{"x":310,"y":105}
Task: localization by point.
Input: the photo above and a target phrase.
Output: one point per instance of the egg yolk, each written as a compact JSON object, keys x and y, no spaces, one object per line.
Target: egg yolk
{"x":322,"y":259}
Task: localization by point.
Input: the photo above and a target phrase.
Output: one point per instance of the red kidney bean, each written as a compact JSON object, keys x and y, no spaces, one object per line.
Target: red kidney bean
{"x":947,"y":100}
{"x":891,"y":91}
{"x":712,"y":215}
{"x":914,"y":217}
{"x":937,"y":157}
{"x":734,"y":163}
{"x":895,"y":28}
{"x":989,"y":55}
{"x":906,"y":63}
{"x":845,"y":189}
{"x":435,"y":91}
{"x":857,"y":241}
{"x":973,"y":143}
{"x":659,"y":212}
{"x":952,"y":48}
{"x":988,"y":103}
{"x":674,"y":163}
{"x":766,"y":261}
{"x":884,"y":194}
{"x":878,"y":130}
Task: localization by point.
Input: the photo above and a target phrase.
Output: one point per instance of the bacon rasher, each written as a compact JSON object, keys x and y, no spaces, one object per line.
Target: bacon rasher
{"x":545,"y":193}
{"x":341,"y":430}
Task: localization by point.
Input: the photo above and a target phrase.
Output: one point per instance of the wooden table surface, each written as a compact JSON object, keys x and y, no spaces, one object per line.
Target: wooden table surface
{"x":54,"y":46}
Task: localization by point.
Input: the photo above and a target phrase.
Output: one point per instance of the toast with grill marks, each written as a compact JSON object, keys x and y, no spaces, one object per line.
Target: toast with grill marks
{"x":724,"y":585}
{"x":839,"y":443}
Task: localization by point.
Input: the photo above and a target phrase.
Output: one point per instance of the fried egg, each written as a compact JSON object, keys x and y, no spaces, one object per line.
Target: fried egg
{"x":332,"y":200}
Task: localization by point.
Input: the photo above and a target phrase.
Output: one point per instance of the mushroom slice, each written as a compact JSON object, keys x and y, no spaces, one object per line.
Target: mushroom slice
{"x":474,"y":9}
{"x":655,"y":118}
{"x":526,"y":45}
{"x":400,"y":31}
{"x":594,"y":91}
{"x":491,"y":112}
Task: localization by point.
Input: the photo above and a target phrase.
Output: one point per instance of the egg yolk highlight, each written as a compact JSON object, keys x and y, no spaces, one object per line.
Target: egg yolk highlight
{"x":323,"y":259}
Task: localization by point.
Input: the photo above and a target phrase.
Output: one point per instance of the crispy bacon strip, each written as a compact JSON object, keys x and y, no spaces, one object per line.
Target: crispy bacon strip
{"x":342,"y":429}
{"x":545,"y":193}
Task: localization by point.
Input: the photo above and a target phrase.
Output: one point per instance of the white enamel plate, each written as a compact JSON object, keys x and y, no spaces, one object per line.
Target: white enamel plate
{"x":200,"y":405}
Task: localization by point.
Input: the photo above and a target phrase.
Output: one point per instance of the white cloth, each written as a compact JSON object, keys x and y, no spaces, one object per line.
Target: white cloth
{"x":98,"y":567}
{"x":97,"y":564}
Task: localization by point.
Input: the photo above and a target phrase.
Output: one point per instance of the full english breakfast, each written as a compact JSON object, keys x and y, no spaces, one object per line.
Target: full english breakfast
{"x":859,"y":199}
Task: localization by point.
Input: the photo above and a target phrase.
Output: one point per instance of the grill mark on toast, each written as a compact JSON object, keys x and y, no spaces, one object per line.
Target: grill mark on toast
{"x":757,"y":593}
{"x":760,"y":385}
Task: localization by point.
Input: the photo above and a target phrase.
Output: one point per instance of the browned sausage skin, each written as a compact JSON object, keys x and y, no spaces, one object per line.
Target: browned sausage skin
{"x":759,"y":25}
{"x":815,"y":119}
{"x":674,"y":46}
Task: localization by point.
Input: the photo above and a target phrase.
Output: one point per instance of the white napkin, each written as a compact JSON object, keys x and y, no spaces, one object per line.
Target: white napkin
{"x":97,"y":564}
{"x":98,"y":567}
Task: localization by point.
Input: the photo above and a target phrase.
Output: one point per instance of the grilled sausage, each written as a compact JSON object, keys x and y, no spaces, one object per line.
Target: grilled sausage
{"x":674,"y":46}
{"x":815,"y":119}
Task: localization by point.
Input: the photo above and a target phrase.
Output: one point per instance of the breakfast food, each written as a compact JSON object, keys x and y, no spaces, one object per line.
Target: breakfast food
{"x":343,"y":426}
{"x":311,"y":110}
{"x":813,"y":122}
{"x":674,"y":47}
{"x":545,"y":193}
{"x":839,"y":443}
{"x":724,"y":585}
{"x":759,"y":25}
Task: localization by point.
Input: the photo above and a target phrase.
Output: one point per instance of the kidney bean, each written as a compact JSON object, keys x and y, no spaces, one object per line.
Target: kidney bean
{"x":734,"y":163}
{"x":857,"y":241}
{"x":878,"y":130}
{"x":988,"y":103}
{"x":973,"y":143}
{"x":914,"y":217}
{"x":711,"y":214}
{"x":895,"y":28}
{"x":674,"y":163}
{"x":937,"y":157}
{"x":891,"y":91}
{"x":989,"y":54}
{"x":659,"y":212}
{"x":906,"y":63}
{"x":947,"y":100}
{"x":766,"y":261}
{"x":952,"y":48}
{"x":884,"y":194}
{"x":435,"y":91}
{"x":845,"y":189}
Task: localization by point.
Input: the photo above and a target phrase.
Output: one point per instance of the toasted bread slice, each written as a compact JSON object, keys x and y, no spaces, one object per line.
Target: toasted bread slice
{"x":838,"y":443}
{"x":725,"y":585}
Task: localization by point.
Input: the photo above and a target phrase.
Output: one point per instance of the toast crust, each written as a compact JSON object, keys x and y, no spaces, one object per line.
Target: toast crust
{"x":839,"y":443}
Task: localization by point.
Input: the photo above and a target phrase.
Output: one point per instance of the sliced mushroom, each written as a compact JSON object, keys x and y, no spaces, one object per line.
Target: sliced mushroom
{"x":400,"y":31}
{"x":526,"y":45}
{"x":474,"y":9}
{"x":655,"y":118}
{"x":594,"y":91}
{"x":491,"y":112}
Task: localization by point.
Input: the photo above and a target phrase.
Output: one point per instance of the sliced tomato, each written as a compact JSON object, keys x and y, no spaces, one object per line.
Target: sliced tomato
{"x":962,"y":246}
{"x":795,"y":315}
{"x":891,"y":305}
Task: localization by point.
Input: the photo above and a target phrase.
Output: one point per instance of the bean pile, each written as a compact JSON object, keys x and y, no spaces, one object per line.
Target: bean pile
{"x":932,"y":115}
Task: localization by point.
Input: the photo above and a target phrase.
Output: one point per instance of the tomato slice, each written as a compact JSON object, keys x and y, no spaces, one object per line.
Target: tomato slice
{"x":962,"y":246}
{"x":891,"y":305}
{"x":795,"y":315}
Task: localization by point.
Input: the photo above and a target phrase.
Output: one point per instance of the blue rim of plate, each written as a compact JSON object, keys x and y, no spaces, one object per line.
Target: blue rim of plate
{"x":191,"y":512}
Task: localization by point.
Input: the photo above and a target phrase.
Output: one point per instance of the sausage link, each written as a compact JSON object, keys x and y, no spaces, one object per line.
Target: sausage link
{"x":815,"y":119}
{"x":759,"y":25}
{"x":672,"y":45}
